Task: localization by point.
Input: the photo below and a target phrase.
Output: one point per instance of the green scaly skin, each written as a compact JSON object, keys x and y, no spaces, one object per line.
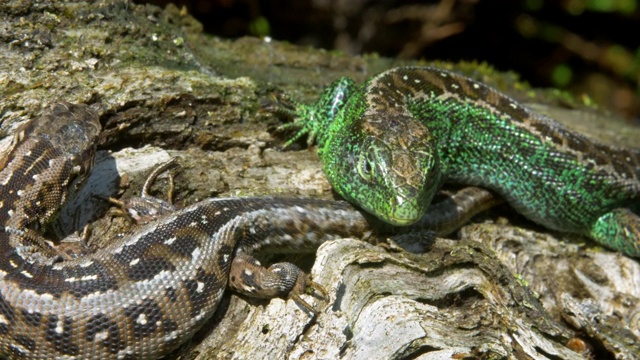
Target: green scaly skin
{"x":389,"y":144}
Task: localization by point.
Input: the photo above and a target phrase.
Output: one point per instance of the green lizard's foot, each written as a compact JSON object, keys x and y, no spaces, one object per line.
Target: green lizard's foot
{"x":313,"y":120}
{"x":303,"y":123}
{"x":619,"y":230}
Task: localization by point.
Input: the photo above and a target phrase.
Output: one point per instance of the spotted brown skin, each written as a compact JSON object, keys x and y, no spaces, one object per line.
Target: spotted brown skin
{"x":147,"y":293}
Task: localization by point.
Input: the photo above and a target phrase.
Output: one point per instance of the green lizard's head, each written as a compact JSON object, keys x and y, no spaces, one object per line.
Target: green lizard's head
{"x":390,"y":168}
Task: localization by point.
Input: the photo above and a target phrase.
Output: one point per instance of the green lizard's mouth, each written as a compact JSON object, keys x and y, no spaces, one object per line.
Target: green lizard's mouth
{"x":403,"y":212}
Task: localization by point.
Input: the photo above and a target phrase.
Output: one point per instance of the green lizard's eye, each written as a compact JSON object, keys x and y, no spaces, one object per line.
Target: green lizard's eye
{"x":366,"y":164}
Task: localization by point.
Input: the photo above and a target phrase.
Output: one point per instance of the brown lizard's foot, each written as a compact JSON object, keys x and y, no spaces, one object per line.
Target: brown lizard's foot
{"x":247,"y":276}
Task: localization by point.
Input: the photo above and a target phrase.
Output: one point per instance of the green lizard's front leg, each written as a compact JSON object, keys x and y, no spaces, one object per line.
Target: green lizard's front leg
{"x":389,"y":144}
{"x":313,"y":120}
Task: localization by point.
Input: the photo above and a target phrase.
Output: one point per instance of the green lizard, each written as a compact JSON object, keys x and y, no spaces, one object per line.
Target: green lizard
{"x":389,"y":144}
